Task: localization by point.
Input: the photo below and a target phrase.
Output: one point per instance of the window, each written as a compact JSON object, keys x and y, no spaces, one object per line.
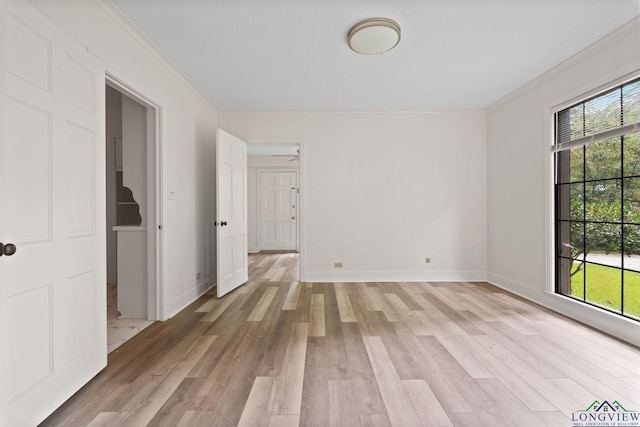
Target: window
{"x":597,"y":200}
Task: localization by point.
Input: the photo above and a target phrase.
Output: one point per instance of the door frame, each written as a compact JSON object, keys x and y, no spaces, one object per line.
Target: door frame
{"x":259,"y":173}
{"x":299,"y":142}
{"x":155,"y":261}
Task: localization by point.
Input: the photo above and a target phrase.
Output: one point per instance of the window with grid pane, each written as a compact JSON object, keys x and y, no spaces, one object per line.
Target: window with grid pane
{"x":597,"y":200}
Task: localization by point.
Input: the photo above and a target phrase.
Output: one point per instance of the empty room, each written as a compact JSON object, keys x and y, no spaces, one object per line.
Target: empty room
{"x":290,"y":213}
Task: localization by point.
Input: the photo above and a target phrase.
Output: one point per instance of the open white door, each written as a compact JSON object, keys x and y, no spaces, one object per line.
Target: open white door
{"x":52,"y":204}
{"x":231,"y":212}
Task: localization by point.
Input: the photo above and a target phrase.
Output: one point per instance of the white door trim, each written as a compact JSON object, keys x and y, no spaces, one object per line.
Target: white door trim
{"x":155,"y":261}
{"x":259,"y":202}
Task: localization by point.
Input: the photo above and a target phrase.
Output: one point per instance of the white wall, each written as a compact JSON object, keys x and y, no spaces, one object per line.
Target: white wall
{"x":519,"y":131}
{"x":113,"y":130}
{"x":188,"y":136}
{"x":255,"y":164}
{"x":134,"y":153}
{"x":383,"y":191}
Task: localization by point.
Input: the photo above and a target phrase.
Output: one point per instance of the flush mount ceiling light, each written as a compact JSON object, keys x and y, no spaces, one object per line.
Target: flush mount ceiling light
{"x":374,"y":36}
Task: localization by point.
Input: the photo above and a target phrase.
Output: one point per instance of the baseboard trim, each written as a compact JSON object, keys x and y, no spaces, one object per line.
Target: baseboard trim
{"x":182,"y":301}
{"x":620,"y":327}
{"x":396,"y":276}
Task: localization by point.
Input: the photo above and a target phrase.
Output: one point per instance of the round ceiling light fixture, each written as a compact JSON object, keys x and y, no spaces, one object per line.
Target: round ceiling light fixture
{"x":374,"y":36}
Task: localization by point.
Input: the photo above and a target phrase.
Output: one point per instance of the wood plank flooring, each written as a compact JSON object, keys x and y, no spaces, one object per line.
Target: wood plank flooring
{"x":277,"y":352}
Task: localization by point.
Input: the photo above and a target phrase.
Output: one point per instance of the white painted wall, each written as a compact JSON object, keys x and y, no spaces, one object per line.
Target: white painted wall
{"x":113,"y":130}
{"x":383,"y":191}
{"x":134,"y":153}
{"x":254,"y":164}
{"x":188,"y":136}
{"x":519,"y":130}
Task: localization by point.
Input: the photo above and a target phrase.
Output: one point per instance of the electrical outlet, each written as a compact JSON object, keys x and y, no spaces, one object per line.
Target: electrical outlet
{"x":198,"y":276}
{"x":172,"y":194}
{"x":337,"y":265}
{"x":428,"y":260}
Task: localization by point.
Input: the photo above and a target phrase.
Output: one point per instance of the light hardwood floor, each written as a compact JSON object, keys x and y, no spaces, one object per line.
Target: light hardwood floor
{"x":277,"y":352}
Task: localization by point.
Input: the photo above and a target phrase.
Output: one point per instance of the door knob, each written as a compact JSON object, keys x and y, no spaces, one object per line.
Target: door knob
{"x":7,"y":249}
{"x":223,"y":223}
{"x":293,"y":217}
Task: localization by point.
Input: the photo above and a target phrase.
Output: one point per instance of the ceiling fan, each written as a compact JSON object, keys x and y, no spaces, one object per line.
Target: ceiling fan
{"x":294,"y":157}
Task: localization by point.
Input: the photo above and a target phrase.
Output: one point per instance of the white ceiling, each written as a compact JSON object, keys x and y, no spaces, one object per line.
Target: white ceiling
{"x":293,"y":54}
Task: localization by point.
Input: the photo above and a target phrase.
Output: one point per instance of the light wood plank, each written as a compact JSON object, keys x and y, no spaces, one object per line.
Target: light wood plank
{"x":399,"y":407}
{"x":258,"y":313}
{"x":219,"y":308}
{"x":512,"y":407}
{"x":560,"y":399}
{"x":449,"y":298}
{"x":440,"y":383}
{"x":389,"y":312}
{"x":275,"y":274}
{"x":510,"y":339}
{"x":317,"y":325}
{"x":554,"y":419}
{"x":465,"y":357}
{"x":344,"y":304}
{"x":426,"y":404}
{"x":591,"y":352}
{"x":466,"y":420}
{"x":515,"y":321}
{"x":343,"y":408}
{"x":291,"y":302}
{"x":152,"y":404}
{"x":598,"y":380}
{"x":370,"y":301}
{"x":478,"y":307}
{"x":374,"y":420}
{"x":284,"y":421}
{"x":197,"y":419}
{"x":408,"y":316}
{"x":108,"y":419}
{"x":635,"y":381}
{"x":532,"y":398}
{"x":208,"y":305}
{"x":257,"y":410}
{"x":289,"y":391}
{"x":577,"y":392}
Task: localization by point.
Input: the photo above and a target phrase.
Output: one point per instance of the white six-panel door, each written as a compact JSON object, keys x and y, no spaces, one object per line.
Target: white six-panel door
{"x":278,"y":210}
{"x":52,"y":204}
{"x":231,"y":212}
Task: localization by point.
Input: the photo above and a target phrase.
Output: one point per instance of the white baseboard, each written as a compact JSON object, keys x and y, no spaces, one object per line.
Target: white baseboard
{"x":182,"y":301}
{"x":395,"y":276}
{"x":620,"y":327}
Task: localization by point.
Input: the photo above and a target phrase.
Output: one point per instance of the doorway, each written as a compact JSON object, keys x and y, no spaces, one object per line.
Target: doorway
{"x":132,"y":213}
{"x":274,"y":180}
{"x":277,"y":210}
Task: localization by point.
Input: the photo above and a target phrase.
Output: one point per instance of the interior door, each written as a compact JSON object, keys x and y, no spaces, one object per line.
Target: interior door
{"x":278,"y":207}
{"x":231,"y":212}
{"x":52,"y":204}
